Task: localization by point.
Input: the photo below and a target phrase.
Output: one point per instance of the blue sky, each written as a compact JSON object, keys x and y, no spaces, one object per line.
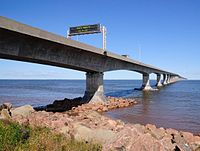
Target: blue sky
{"x":167,"y":32}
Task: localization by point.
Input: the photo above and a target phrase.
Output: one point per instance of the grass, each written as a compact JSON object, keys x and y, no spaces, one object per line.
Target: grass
{"x":14,"y":137}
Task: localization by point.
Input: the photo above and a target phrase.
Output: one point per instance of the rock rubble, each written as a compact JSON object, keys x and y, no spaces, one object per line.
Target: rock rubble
{"x":85,"y":122}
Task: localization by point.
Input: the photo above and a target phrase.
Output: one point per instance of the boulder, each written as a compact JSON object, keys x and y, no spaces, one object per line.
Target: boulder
{"x":181,"y":143}
{"x":150,"y":126}
{"x":195,"y":146}
{"x":7,"y":105}
{"x":197,"y":138}
{"x":157,"y":133}
{"x":21,"y":120}
{"x":140,"y":128}
{"x":167,"y":143}
{"x":146,"y":142}
{"x":63,"y":105}
{"x":5,"y":114}
{"x":104,"y":109}
{"x":95,"y":108}
{"x":98,"y":135}
{"x":23,"y":110}
{"x":65,"y":130}
{"x":127,"y":136}
{"x":93,"y":115}
{"x":189,"y":137}
{"x":172,"y":131}
{"x":112,"y":123}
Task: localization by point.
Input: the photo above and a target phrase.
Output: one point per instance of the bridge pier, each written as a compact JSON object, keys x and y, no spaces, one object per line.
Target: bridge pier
{"x":168,"y":79}
{"x":146,"y":83}
{"x":94,"y":87}
{"x":164,"y":79}
{"x":174,"y":79}
{"x":159,"y":83}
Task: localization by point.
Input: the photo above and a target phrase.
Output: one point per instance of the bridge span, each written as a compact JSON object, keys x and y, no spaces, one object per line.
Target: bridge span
{"x":25,"y":43}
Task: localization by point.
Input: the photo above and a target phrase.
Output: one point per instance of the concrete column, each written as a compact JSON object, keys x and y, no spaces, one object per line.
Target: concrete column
{"x":94,"y":88}
{"x":159,"y":83}
{"x":146,"y":85}
{"x":164,"y":79}
{"x":168,"y":79}
{"x":173,"y":79}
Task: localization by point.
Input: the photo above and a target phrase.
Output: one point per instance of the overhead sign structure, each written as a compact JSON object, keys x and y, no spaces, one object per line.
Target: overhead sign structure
{"x":88,"y":29}
{"x":85,"y":29}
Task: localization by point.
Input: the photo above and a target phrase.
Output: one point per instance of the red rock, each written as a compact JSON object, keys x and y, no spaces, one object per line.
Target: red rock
{"x":7,"y":105}
{"x":146,"y":143}
{"x":101,"y":107}
{"x":99,"y":110}
{"x":196,"y":138}
{"x":110,"y":107}
{"x":159,"y":133}
{"x":95,"y":108}
{"x":20,"y":119}
{"x":126,"y":104}
{"x":195,"y":146}
{"x":150,"y":126}
{"x":119,"y":127}
{"x":104,"y":109}
{"x":181,"y":143}
{"x":125,"y":137}
{"x":5,"y":114}
{"x":140,"y":128}
{"x":57,"y":124}
{"x":111,"y":100}
{"x":172,"y":131}
{"x":112,"y":123}
{"x":22,"y":110}
{"x":167,"y":143}
{"x":189,"y":137}
{"x":116,"y":134}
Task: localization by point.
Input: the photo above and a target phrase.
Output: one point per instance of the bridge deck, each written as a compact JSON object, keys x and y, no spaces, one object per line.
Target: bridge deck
{"x":19,"y":28}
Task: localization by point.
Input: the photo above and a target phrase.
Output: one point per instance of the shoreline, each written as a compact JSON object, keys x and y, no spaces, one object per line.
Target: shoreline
{"x":85,"y":122}
{"x":115,"y":116}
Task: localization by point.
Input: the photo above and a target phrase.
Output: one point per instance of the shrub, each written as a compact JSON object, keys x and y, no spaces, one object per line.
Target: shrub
{"x":16,"y":137}
{"x":11,"y":134}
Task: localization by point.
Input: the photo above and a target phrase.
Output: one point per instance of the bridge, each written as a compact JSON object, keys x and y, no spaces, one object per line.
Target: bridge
{"x":25,"y":43}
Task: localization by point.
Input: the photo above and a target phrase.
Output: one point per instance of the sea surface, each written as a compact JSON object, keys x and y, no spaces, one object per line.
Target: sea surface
{"x":175,"y":106}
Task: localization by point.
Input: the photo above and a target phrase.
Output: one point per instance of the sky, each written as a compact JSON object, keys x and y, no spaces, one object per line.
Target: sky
{"x":163,"y":33}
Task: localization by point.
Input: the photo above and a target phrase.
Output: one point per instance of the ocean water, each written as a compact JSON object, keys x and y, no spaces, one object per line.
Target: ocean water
{"x":176,"y":105}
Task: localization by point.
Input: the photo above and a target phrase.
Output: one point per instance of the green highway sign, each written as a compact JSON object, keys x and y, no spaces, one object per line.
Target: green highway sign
{"x":85,"y":29}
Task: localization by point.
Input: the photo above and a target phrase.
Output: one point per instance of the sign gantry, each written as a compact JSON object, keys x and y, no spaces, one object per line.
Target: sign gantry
{"x":88,"y":29}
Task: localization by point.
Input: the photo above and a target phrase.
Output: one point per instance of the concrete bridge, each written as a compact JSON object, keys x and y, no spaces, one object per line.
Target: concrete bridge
{"x":25,"y":43}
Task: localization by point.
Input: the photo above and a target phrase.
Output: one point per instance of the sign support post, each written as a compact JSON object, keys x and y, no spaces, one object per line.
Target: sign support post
{"x":68,"y":34}
{"x":104,"y":37}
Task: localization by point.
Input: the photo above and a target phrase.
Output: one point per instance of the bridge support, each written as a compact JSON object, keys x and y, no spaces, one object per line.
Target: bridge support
{"x":164,"y":79}
{"x":168,"y":79}
{"x":174,"y":79}
{"x":158,"y":84}
{"x":146,"y":84}
{"x":94,"y":87}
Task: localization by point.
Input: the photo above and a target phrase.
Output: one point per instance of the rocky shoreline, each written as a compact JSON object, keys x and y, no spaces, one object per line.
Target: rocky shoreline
{"x":85,"y":122}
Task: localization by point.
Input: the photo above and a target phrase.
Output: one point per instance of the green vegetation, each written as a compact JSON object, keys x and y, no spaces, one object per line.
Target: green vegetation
{"x":14,"y":137}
